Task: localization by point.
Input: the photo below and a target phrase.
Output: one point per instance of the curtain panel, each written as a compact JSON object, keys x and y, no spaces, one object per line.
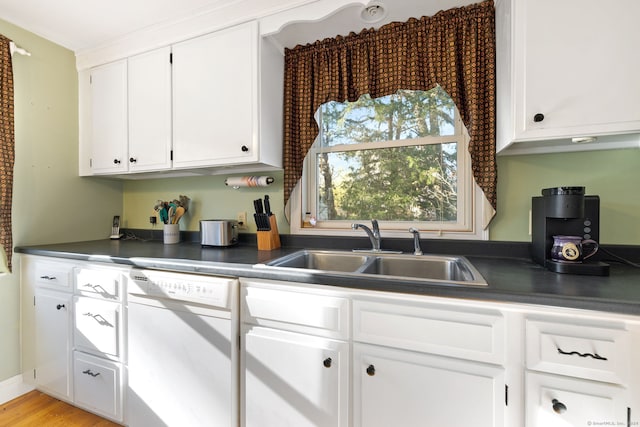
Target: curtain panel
{"x":7,"y":147}
{"x":454,"y":49}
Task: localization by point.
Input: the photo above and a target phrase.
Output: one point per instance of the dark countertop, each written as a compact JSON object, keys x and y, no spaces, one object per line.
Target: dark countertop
{"x":510,"y":278}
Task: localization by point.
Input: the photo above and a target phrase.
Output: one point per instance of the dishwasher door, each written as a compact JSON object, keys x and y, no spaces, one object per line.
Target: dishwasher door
{"x":182,"y":364}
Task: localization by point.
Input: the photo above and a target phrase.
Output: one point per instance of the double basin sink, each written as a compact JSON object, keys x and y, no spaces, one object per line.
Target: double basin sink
{"x":437,"y":269}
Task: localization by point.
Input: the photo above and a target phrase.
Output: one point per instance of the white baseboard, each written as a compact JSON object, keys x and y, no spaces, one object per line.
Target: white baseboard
{"x":12,"y":388}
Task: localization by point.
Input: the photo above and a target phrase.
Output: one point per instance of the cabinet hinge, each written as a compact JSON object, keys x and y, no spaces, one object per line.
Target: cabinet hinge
{"x":34,"y":374}
{"x":506,"y":395}
{"x":239,"y":342}
{"x":90,"y":163}
{"x":34,"y":300}
{"x":90,"y":79}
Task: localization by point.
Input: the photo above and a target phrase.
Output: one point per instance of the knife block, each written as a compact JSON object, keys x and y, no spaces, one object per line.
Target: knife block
{"x":268,"y":240}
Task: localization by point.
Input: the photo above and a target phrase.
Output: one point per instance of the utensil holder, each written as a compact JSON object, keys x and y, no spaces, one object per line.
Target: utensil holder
{"x":171,"y":234}
{"x":268,"y":240}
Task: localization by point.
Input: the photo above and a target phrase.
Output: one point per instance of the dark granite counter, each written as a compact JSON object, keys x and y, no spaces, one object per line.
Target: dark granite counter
{"x":511,"y":275}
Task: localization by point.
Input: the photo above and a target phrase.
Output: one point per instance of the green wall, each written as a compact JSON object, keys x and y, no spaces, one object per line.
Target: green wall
{"x":614,"y":175}
{"x":210,"y":199}
{"x":50,"y":202}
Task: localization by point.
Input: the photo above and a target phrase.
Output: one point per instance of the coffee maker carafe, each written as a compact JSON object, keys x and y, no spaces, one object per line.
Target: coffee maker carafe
{"x":565,"y":211}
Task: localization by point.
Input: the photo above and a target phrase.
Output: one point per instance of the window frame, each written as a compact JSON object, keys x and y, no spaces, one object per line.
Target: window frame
{"x":468,"y":225}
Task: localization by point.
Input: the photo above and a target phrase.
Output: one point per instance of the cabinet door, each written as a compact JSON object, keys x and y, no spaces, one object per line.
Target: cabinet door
{"x":555,"y":401}
{"x":576,"y":69}
{"x":401,"y":388}
{"x":294,"y":380}
{"x":53,"y":342}
{"x":109,"y":118}
{"x":150,"y":111}
{"x":215,"y":98}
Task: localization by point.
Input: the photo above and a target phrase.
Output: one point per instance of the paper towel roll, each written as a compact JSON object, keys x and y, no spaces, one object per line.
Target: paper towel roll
{"x":249,"y":181}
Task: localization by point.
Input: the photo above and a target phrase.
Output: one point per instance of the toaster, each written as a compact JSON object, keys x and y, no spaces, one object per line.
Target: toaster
{"x":218,"y":232}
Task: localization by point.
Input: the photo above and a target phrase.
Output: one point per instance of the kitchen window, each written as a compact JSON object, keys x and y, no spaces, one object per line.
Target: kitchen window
{"x":401,"y":159}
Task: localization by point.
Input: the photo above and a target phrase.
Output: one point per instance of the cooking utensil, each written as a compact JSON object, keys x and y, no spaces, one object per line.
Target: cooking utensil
{"x":179,"y":212}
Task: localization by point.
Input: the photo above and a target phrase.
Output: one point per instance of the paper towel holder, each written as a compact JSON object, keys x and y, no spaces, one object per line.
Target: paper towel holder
{"x":248,"y":181}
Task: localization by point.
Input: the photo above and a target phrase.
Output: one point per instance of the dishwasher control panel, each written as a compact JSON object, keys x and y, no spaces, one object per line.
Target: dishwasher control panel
{"x":209,"y":290}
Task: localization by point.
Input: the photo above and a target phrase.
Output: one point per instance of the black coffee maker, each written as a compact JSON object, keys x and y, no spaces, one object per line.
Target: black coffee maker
{"x":565,"y":211}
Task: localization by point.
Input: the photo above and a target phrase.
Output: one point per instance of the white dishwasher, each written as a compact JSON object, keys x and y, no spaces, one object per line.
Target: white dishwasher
{"x":182,"y":350}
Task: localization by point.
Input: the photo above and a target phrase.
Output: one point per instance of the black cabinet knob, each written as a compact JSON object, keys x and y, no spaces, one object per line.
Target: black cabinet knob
{"x":59,"y":306}
{"x":327,"y":362}
{"x":132,"y":160}
{"x":116,"y":161}
{"x":558,"y":407}
{"x":371,"y":370}
{"x":538,"y":117}
{"x":245,"y":148}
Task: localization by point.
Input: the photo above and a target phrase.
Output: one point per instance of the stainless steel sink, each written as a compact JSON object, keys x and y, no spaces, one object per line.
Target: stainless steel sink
{"x":453,"y":270}
{"x":322,"y":260}
{"x":432,"y":267}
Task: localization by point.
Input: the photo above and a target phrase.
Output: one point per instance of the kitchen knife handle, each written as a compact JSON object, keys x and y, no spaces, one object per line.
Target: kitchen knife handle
{"x":267,"y":205}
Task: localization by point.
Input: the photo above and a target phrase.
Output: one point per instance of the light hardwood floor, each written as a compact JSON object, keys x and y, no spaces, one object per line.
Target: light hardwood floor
{"x":36,"y":409}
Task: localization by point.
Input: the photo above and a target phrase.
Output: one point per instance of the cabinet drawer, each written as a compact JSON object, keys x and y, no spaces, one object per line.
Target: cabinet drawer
{"x":594,"y":351}
{"x":98,"y":326}
{"x":555,"y":401}
{"x":462,"y":332}
{"x":297,"y":311}
{"x":98,"y":385}
{"x":54,"y":274}
{"x":103,"y":283}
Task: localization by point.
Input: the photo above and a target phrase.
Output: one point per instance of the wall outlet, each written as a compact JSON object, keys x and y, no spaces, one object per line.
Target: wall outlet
{"x":242,"y":220}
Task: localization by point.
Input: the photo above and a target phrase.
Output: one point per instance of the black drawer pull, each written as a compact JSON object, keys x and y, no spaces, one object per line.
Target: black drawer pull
{"x":48,"y":277}
{"x":88,"y":372}
{"x":99,"y":318}
{"x":571,"y":353}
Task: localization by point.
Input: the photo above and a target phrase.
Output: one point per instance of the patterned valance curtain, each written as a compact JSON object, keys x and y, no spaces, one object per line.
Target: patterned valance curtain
{"x":7,"y":150}
{"x":454,"y":49}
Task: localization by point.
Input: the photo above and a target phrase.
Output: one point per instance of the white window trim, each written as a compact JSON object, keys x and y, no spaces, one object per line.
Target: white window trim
{"x":476,"y":230}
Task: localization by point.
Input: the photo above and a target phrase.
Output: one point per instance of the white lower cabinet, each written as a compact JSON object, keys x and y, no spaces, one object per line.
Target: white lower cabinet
{"x":417,"y":363}
{"x":98,"y":345}
{"x":97,"y":385}
{"x":404,"y":388}
{"x":53,"y":342}
{"x":579,"y":371}
{"x":295,"y":359}
{"x":295,"y":380}
{"x":557,"y":401}
{"x":412,"y":360}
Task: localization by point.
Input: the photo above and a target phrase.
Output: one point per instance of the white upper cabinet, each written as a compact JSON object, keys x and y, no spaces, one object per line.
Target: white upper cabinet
{"x":150,"y":111}
{"x":217,"y":104}
{"x":566,"y":71}
{"x":215,"y":98}
{"x":108,"y":136}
